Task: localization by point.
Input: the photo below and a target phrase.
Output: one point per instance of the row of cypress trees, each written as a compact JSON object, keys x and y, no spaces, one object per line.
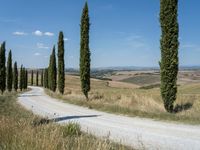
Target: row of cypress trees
{"x":53,"y":77}
{"x":9,"y":75}
{"x":168,"y":64}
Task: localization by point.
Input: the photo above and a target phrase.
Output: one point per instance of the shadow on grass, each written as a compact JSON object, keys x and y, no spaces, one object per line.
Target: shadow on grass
{"x":43,"y":121}
{"x":182,"y":107}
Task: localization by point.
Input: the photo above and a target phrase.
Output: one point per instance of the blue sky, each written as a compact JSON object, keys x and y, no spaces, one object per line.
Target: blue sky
{"x":123,"y":32}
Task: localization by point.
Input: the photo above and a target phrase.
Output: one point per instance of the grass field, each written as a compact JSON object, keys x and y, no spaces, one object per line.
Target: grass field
{"x":21,"y":130}
{"x":135,"y":101}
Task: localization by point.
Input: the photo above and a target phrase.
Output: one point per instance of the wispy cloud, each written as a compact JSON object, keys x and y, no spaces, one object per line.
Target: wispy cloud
{"x":188,"y":46}
{"x":49,"y":34}
{"x":42,"y":46}
{"x":19,"y":33}
{"x":136,"y":41}
{"x":37,"y":54}
{"x":40,"y":33}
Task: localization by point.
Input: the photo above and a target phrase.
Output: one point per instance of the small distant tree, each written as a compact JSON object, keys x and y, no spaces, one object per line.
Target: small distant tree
{"x":49,"y":73}
{"x":42,"y":78}
{"x":15,"y":77}
{"x":26,"y":76}
{"x":85,"y":52}
{"x":9,"y":72}
{"x":32,"y":76}
{"x":21,"y":78}
{"x":61,"y":63}
{"x":169,"y":51}
{"x":3,"y":67}
{"x":37,"y":74}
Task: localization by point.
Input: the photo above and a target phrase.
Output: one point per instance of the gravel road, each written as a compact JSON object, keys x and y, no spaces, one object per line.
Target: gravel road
{"x":136,"y":132}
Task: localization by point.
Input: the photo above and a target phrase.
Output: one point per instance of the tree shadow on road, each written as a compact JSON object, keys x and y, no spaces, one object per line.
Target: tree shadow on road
{"x":182,"y":107}
{"x":38,"y":122}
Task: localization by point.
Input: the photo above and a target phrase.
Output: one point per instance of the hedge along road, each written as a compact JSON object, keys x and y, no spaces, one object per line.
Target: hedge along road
{"x":135,"y":132}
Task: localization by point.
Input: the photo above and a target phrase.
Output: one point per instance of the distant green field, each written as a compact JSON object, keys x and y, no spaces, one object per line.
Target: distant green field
{"x":143,"y":79}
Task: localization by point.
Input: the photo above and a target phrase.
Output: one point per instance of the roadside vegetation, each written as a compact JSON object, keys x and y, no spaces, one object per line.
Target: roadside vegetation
{"x":20,"y":129}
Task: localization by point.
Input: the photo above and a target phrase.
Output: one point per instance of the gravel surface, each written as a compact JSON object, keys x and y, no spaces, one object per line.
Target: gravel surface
{"x":136,"y":132}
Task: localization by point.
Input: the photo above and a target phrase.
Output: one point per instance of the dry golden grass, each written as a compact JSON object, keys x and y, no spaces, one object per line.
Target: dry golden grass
{"x":19,"y":130}
{"x":135,"y":101}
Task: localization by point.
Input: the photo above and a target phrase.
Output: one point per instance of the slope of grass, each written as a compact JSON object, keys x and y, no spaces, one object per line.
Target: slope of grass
{"x":21,"y":130}
{"x":145,"y":103}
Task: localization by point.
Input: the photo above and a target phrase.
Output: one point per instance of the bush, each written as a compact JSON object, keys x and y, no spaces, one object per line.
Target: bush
{"x":71,"y":129}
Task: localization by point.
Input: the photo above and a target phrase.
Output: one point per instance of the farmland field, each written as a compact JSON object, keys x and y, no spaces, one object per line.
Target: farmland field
{"x":131,"y":99}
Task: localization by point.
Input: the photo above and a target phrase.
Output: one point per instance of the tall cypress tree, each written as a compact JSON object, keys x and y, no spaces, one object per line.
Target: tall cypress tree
{"x":85,"y":52}
{"x":61,"y":63}
{"x":9,"y":72}
{"x":169,"y":51}
{"x":21,"y":78}
{"x":53,"y":71}
{"x":2,"y":67}
{"x":32,"y":76}
{"x":15,"y":77}
{"x":42,"y":78}
{"x":46,"y":78}
{"x":37,"y":75}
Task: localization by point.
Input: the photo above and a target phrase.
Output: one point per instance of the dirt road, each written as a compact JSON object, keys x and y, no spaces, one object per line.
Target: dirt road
{"x":135,"y":132}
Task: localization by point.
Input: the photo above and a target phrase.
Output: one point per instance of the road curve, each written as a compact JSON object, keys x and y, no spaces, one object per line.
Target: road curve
{"x":135,"y":132}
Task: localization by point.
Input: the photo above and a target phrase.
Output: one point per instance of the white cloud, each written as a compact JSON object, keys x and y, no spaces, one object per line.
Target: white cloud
{"x":38,"y":33}
{"x":37,"y":54}
{"x":42,"y":46}
{"x":66,"y":39}
{"x":49,"y":34}
{"x":19,"y":33}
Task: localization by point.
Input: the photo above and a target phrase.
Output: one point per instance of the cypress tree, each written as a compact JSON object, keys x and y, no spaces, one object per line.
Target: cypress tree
{"x":46,"y":78}
{"x":15,"y":77}
{"x":2,"y":67}
{"x":49,"y":73}
{"x":37,"y":74}
{"x":169,"y":51}
{"x":53,"y":71}
{"x":42,"y":78}
{"x":61,"y":63}
{"x":85,"y":52}
{"x":32,"y":75}
{"x":21,"y":78}
{"x":26,"y":76}
{"x":9,"y":72}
